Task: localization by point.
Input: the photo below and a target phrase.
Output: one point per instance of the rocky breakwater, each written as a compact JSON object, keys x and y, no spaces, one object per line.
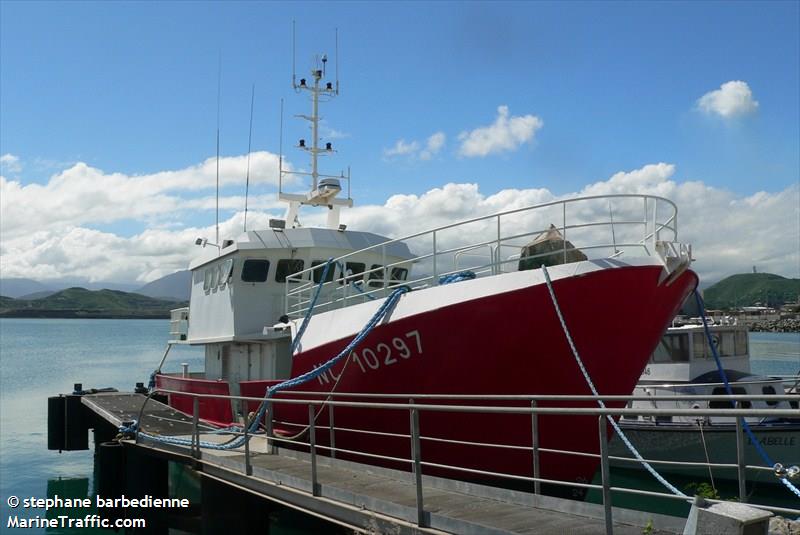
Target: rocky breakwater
{"x":786,"y":325}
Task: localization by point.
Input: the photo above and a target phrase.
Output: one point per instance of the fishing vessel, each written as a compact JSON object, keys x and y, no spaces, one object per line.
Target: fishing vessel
{"x":683,"y":365}
{"x":463,"y":309}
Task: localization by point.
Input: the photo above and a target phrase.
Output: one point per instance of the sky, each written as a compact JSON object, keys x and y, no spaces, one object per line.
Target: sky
{"x":447,"y":111}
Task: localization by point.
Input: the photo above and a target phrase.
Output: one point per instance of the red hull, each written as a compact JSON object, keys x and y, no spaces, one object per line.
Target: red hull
{"x":507,"y":343}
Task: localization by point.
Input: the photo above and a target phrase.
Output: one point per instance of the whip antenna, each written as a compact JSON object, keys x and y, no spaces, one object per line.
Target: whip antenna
{"x":280,"y":154}
{"x":337,"y":60}
{"x":249,"y":144}
{"x":219,"y":91}
{"x":294,"y":71}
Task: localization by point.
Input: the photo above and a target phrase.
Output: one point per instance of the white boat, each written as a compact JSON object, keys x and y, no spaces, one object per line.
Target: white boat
{"x":683,"y":365}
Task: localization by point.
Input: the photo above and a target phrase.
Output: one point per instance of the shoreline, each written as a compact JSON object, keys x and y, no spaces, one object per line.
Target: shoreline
{"x":84,"y":314}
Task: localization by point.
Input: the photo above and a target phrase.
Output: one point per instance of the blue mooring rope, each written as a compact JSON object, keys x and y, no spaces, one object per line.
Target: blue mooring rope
{"x":759,"y":448}
{"x":600,"y":402}
{"x":457,"y":277}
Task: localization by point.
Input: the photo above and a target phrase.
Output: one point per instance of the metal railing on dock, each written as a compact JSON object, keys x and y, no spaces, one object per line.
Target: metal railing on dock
{"x":416,"y":404}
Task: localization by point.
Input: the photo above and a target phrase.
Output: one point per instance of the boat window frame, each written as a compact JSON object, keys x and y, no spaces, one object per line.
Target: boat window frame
{"x":254,"y":260}
{"x":225,"y":272}
{"x":283,"y":269}
{"x":399,"y":274}
{"x":207,"y":279}
{"x":375,"y":277}
{"x":670,"y":346}
{"x":350,"y":275}
{"x":318,"y":266}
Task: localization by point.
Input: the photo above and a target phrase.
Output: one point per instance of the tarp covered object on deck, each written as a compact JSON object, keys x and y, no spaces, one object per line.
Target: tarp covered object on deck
{"x":551,"y":246}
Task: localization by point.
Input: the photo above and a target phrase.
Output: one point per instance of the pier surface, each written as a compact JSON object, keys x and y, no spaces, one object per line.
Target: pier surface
{"x":365,"y":497}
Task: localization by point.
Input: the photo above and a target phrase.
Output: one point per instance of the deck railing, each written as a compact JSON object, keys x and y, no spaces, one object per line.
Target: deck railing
{"x":605,"y":226}
{"x":416,"y":404}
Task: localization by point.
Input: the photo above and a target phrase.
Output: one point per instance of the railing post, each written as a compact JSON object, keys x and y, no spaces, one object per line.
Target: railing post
{"x":655,"y":223}
{"x":416,"y":455}
{"x":331,"y":431}
{"x":268,"y":414}
{"x":435,"y":275}
{"x":312,"y":443}
{"x":537,"y":486}
{"x":605,"y":474}
{"x":564,"y":228}
{"x":248,"y":468}
{"x":740,"y":462}
{"x":195,"y":427}
{"x":497,"y":266}
{"x":385,"y":277}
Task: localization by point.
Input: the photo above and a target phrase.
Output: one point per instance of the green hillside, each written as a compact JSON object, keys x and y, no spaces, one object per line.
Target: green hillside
{"x":747,"y":289}
{"x":80,"y":302}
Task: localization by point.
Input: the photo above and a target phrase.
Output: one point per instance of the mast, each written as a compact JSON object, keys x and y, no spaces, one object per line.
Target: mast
{"x":324,"y":188}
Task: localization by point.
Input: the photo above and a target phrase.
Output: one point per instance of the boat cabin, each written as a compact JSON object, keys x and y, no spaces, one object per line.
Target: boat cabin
{"x":238,"y":298}
{"x":684,"y":353}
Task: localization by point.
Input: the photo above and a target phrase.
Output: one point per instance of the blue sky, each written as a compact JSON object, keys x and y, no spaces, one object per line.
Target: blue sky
{"x":598,"y":88}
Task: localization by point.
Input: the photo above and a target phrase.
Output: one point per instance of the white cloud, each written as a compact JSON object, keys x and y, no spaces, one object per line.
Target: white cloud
{"x":504,"y":135}
{"x":401,"y":148}
{"x":330,"y":134}
{"x":730,"y":233}
{"x":10,"y":163}
{"x":732,"y":99}
{"x":414,"y":149}
{"x":433,"y":146}
{"x":83,"y":195}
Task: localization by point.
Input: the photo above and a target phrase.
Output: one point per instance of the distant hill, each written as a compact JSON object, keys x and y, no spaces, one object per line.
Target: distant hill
{"x":37,"y":295}
{"x":29,"y":288}
{"x":18,"y":287}
{"x":175,"y":286}
{"x":747,"y":289}
{"x":80,"y":302}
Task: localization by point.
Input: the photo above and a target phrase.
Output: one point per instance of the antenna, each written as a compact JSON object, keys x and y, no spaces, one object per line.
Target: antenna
{"x":324,"y":188}
{"x":294,"y":70}
{"x":280,"y":154}
{"x":249,"y":144}
{"x":337,"y":61}
{"x":219,"y":92}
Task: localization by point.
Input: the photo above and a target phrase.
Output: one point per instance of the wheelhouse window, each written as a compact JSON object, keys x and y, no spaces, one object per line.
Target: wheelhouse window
{"x":353,"y":272}
{"x":671,"y":348}
{"x":399,"y":274}
{"x":225,"y":271}
{"x":727,"y":344}
{"x":214,"y":276}
{"x":319,"y":268}
{"x":207,"y":279}
{"x":288,"y":267}
{"x":375,"y":277}
{"x":255,"y":270}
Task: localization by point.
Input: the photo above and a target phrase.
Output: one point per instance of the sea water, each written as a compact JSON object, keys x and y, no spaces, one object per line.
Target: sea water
{"x":40,"y":358}
{"x":45,"y":357}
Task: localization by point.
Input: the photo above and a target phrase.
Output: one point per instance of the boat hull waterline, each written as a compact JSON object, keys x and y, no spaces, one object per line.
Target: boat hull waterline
{"x":501,"y":343}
